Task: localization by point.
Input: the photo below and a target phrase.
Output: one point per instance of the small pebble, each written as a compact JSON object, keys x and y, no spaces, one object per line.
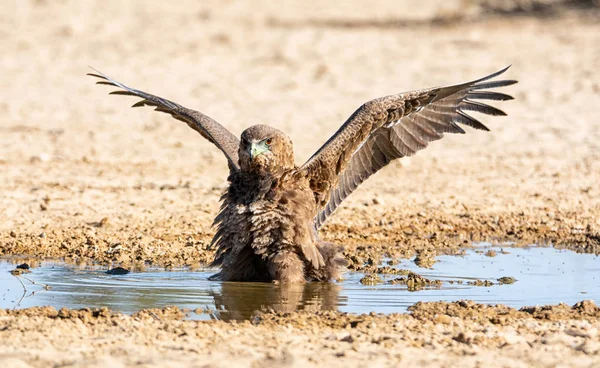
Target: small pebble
{"x":18,"y":271}
{"x":486,"y":283}
{"x":105,"y":221}
{"x":443,"y":319}
{"x":507,"y":280}
{"x":491,"y":253}
{"x":371,"y":280}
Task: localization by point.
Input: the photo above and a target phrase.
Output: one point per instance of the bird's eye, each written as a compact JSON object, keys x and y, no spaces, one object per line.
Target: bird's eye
{"x":269,"y":141}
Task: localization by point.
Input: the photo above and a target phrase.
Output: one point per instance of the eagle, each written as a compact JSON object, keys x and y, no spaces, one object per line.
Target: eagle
{"x":267,"y":226}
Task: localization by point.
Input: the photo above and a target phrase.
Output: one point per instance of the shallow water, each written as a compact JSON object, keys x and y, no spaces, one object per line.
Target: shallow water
{"x":544,"y":276}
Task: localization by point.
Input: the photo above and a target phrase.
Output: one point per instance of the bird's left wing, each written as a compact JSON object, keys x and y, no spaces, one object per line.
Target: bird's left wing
{"x":391,"y":127}
{"x":207,"y":127}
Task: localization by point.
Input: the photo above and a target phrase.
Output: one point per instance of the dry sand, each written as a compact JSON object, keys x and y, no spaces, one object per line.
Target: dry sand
{"x":435,"y":334}
{"x":87,"y":179}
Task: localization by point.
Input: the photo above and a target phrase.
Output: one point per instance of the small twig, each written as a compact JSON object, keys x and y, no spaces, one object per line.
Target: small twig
{"x":22,"y":284}
{"x":24,"y":292}
{"x":45,"y":286}
{"x":18,"y":277}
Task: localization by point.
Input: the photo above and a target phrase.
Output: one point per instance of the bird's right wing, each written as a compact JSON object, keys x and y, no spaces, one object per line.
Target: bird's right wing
{"x":391,"y":127}
{"x":207,"y":127}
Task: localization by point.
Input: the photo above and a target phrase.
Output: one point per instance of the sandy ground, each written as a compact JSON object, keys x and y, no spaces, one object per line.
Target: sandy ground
{"x":87,"y":179}
{"x":434,"y":334}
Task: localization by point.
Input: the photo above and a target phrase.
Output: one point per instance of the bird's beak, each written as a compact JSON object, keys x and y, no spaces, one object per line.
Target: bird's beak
{"x":256,"y":149}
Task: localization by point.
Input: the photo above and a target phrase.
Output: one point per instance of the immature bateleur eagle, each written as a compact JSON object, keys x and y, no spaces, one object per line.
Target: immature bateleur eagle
{"x":267,"y":226}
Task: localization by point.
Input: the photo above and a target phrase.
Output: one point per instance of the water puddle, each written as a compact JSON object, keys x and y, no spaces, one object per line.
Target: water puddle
{"x":544,"y":276}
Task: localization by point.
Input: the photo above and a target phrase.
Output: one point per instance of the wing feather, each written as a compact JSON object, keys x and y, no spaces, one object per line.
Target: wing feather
{"x":495,"y":96}
{"x":392,"y":127}
{"x":207,"y":127}
{"x":468,"y":105}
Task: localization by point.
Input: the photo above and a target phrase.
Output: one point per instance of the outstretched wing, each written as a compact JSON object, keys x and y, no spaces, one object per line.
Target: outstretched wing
{"x":207,"y":127}
{"x":391,"y":127}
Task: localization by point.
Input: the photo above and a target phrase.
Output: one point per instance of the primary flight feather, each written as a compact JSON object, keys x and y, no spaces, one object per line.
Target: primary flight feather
{"x":266,"y":229}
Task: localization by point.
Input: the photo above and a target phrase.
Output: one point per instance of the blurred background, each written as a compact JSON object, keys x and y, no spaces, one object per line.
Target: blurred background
{"x":70,"y":154}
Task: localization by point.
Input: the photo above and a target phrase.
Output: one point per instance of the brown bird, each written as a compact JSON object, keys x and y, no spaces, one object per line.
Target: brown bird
{"x":267,"y":226}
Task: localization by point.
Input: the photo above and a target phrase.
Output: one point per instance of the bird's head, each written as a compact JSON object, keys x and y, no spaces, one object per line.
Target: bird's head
{"x":265,"y":150}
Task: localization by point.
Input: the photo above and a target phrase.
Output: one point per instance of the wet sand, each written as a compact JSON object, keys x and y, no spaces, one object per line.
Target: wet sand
{"x":86,"y":179}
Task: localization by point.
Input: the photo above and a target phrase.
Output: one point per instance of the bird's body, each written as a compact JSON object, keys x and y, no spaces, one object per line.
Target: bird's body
{"x":275,"y":237}
{"x":271,"y":205}
{"x":267,"y":227}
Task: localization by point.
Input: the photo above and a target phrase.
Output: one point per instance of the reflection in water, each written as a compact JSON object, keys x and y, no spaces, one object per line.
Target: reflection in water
{"x":239,"y":301}
{"x":77,"y":288}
